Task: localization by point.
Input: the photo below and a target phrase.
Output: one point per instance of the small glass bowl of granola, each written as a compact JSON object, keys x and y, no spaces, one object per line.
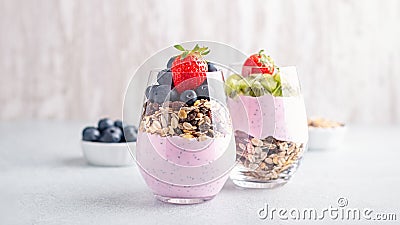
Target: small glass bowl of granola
{"x":325,"y":134}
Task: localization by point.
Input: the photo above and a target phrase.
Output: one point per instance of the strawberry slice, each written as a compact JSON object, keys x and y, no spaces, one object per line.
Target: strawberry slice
{"x":189,"y":68}
{"x":258,"y":63}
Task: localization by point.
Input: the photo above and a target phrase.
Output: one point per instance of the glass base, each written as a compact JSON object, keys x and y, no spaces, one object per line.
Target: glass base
{"x":259,"y":184}
{"x":183,"y":201}
{"x":245,"y":178}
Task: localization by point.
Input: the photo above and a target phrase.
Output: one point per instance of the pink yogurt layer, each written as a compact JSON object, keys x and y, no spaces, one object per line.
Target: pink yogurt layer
{"x":189,"y":152}
{"x":168,"y":190}
{"x":179,"y":167}
{"x":284,"y":118}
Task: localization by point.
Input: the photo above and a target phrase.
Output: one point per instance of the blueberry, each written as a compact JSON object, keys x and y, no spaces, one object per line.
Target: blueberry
{"x":118,"y":123}
{"x":130,"y":133}
{"x":170,"y":61}
{"x":111,"y":135}
{"x":203,"y":91}
{"x":211,"y":67}
{"x":122,"y":138}
{"x":188,"y":96}
{"x":148,"y":91}
{"x":90,"y":134}
{"x":160,"y":93}
{"x":164,"y":77}
{"x":174,"y":95}
{"x":105,"y":123}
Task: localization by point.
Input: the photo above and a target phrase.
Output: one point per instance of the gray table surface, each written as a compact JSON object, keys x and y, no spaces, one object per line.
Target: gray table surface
{"x":45,"y":180}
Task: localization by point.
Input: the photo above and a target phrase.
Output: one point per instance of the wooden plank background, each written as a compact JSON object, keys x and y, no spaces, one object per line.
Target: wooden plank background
{"x":72,"y":59}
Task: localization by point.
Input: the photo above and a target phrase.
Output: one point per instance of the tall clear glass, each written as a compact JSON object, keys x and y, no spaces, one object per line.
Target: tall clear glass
{"x":270,"y":125}
{"x":185,"y":149}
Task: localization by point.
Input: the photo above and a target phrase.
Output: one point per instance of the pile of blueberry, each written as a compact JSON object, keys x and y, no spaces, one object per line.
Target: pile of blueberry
{"x":165,"y":91}
{"x":109,"y":131}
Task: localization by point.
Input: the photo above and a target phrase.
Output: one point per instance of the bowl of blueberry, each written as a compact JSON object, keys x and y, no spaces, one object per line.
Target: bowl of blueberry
{"x":108,"y":144}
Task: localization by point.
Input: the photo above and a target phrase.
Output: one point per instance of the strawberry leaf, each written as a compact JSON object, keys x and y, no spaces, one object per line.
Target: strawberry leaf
{"x":203,"y":49}
{"x":205,"y":52}
{"x":179,"y":47}
{"x":196,"y":48}
{"x":184,"y":55}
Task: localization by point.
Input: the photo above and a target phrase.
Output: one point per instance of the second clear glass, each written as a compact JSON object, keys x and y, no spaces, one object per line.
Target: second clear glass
{"x":270,"y":124}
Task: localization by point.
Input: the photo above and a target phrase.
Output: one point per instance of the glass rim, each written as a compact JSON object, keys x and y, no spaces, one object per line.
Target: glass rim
{"x":241,"y":64}
{"x":157,"y":70}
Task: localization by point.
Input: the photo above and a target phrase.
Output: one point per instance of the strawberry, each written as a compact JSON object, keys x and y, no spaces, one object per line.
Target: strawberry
{"x":189,"y":68}
{"x":258,"y":63}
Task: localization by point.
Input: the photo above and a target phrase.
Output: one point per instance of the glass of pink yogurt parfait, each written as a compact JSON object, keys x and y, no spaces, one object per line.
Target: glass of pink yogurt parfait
{"x":270,"y":125}
{"x":185,"y":144}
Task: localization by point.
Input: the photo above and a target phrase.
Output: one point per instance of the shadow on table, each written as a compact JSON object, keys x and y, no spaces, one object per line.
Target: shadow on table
{"x":129,"y":202}
{"x":75,"y":162}
{"x":231,"y":187}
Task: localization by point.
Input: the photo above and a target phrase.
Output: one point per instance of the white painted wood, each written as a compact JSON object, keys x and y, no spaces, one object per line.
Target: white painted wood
{"x":73,"y":59}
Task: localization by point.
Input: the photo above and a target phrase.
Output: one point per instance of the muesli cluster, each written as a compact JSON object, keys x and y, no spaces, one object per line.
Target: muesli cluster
{"x":175,"y":118}
{"x":266,"y":158}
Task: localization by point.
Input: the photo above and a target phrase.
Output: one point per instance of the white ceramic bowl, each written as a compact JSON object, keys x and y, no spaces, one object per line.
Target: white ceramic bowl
{"x":108,"y":154}
{"x":325,"y":138}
